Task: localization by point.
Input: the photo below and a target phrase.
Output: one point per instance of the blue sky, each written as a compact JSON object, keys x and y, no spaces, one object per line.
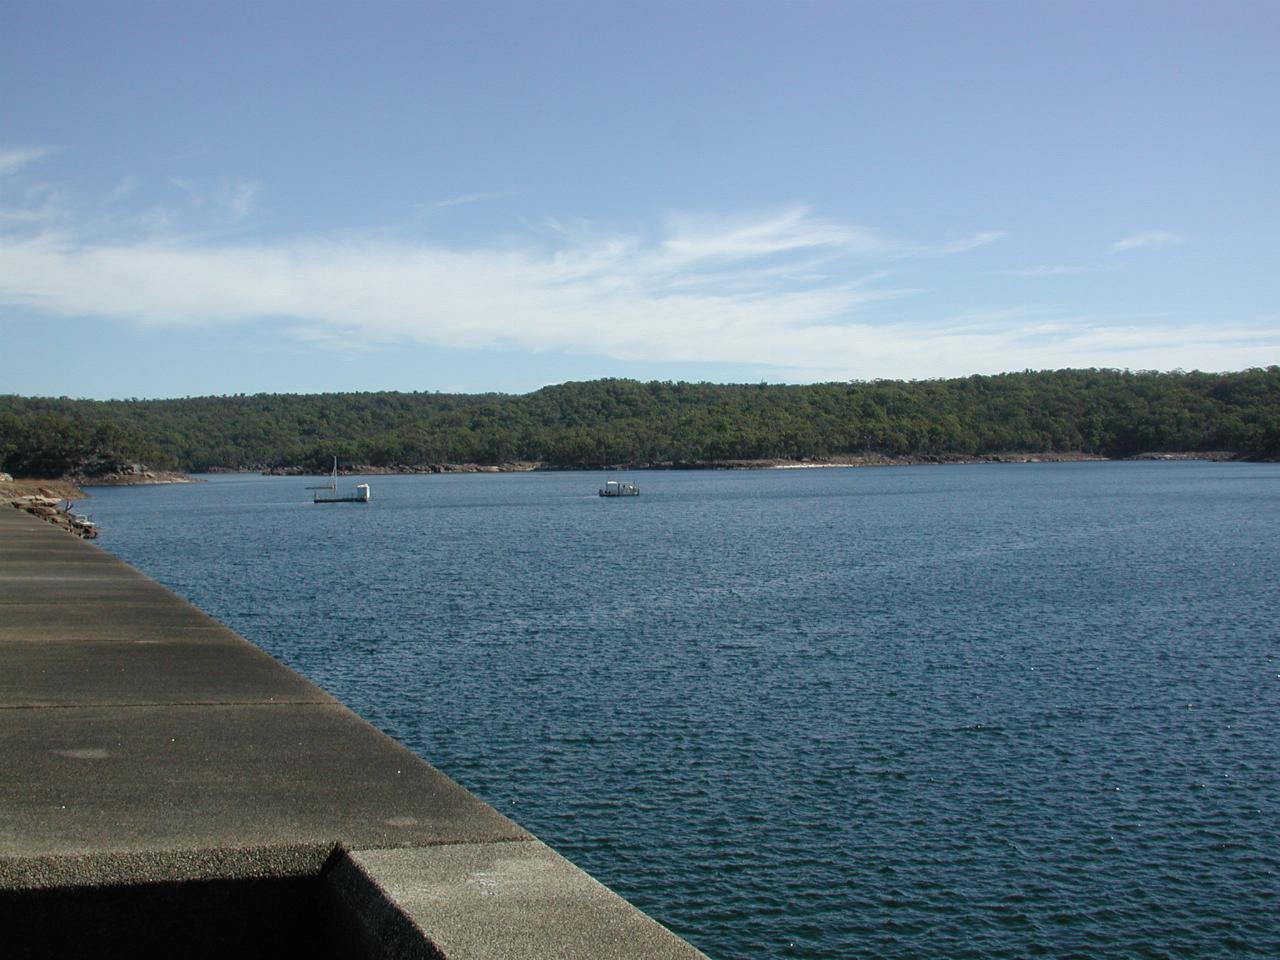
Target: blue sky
{"x":201,"y":198}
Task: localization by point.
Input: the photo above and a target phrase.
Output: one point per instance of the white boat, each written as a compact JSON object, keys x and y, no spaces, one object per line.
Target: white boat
{"x":333,"y":480}
{"x":619,"y":488}
{"x":360,"y":496}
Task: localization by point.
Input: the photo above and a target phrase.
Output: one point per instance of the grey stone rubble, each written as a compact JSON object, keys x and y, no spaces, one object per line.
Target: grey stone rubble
{"x":169,"y":789}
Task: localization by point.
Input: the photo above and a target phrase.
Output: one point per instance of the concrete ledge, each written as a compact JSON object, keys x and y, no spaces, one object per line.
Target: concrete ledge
{"x":493,"y":901}
{"x":170,"y":789}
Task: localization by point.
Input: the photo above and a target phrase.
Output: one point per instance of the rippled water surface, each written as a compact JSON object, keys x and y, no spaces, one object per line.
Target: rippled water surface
{"x":997,"y":711}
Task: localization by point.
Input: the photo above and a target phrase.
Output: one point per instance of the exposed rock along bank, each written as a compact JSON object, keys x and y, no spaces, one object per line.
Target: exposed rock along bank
{"x":841,"y":460}
{"x":136,"y":476}
{"x":366,"y":469}
{"x":49,"y":500}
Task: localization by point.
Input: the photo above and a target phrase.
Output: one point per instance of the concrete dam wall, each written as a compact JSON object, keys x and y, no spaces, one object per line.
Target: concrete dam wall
{"x":167,"y":789}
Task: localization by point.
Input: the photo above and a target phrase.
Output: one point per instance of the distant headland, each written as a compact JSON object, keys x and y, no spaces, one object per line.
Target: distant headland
{"x":626,"y":424}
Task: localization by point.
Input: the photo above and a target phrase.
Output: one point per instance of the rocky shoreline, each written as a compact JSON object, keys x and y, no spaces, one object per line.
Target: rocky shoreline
{"x":136,"y":476}
{"x":843,"y":460}
{"x":50,"y":500}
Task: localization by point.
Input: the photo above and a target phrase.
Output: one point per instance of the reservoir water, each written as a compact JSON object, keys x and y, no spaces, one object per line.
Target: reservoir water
{"x":982,"y":711}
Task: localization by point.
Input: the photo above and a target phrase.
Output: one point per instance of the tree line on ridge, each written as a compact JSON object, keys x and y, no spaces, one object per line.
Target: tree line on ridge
{"x":625,"y":422}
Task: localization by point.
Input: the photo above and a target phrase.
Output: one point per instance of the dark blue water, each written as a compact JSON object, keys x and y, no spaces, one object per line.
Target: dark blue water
{"x":999,"y":711}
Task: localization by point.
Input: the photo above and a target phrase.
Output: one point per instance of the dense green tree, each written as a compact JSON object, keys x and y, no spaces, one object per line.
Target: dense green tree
{"x":614,"y":422}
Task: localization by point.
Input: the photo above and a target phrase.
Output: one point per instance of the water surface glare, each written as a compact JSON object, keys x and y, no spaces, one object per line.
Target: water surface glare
{"x":996,"y":711}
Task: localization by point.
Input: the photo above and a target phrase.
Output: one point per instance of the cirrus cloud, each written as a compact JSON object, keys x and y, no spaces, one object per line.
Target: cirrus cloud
{"x":681,"y":297}
{"x":1146,"y":240}
{"x":803,"y":296}
{"x":748,"y":293}
{"x":13,"y":159}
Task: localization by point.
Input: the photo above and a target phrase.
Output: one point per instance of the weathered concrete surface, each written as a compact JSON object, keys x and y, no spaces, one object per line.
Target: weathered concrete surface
{"x":168,"y":787}
{"x":178,"y":777}
{"x":468,"y":898}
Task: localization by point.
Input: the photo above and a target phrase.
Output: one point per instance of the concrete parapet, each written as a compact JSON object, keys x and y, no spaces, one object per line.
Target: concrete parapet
{"x":169,"y":789}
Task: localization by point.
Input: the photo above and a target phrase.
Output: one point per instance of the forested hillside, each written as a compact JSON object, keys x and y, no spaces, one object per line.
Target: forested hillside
{"x":611,"y":422}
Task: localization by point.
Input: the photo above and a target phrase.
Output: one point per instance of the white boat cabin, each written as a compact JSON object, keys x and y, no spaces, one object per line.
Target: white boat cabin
{"x":619,"y":488}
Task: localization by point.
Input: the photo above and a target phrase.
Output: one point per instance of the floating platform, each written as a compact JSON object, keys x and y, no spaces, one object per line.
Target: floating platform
{"x":360,"y":496}
{"x":619,"y":488}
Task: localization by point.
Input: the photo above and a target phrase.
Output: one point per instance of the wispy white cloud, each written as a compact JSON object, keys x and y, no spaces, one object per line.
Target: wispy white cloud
{"x":233,"y":198}
{"x":796,"y":228}
{"x":469,"y":198}
{"x":193,"y":193}
{"x":691,"y":238}
{"x":963,"y":245}
{"x":679,"y":297}
{"x":1147,"y":239}
{"x":799,"y":294}
{"x":746,"y":290}
{"x":13,"y":159}
{"x":123,"y":190}
{"x":25,"y":200}
{"x":239,"y":196}
{"x":941,"y":350}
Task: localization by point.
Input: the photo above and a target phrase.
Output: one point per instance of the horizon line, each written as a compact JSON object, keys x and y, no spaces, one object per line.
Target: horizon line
{"x":548,"y":386}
